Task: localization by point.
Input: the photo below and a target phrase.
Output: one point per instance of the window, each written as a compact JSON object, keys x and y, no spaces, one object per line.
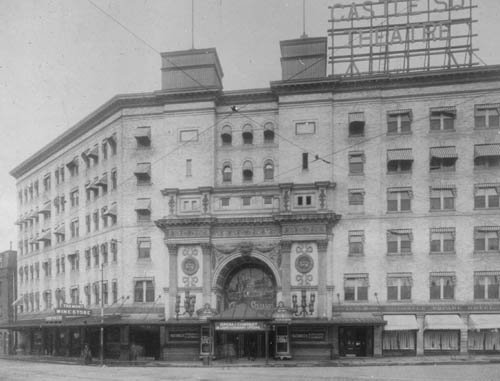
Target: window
{"x":46,"y":184}
{"x":35,"y":184}
{"x":268,"y":200}
{"x":486,"y":285}
{"x":268,"y":133}
{"x":104,"y":148}
{"x":104,"y":217}
{"x":356,"y":163}
{"x":58,"y":265}
{"x":247,"y":171}
{"x":227,"y":173}
{"x":226,"y":136}
{"x":356,"y":197}
{"x":305,"y":160}
{"x":486,"y":196}
{"x":143,"y":173}
{"x":75,"y":295}
{"x":95,"y":254}
{"x":144,"y":291}
{"x":114,"y":291}
{"x":443,"y":159}
{"x":442,"y":240}
{"x":88,"y":223}
{"x":486,"y":238}
{"x":74,"y":260}
{"x":112,"y":144}
{"x":399,"y":286}
{"x":94,"y":155}
{"x":487,"y":116}
{"x":86,"y":291}
{"x":188,"y":136}
{"x":190,"y":205}
{"x":442,"y":286}
{"x":143,"y":209}
{"x":74,"y":228}
{"x":356,"y":124}
{"x":356,"y":241}
{"x":189,"y":167}
{"x":105,"y":292}
{"x":305,"y":200}
{"x":399,"y":122}
{"x":95,"y":217}
{"x":114,"y":250}
{"x":87,"y":258}
{"x":442,"y":198}
{"x":305,"y":128}
{"x":399,"y":161}
{"x":114,"y":179}
{"x":399,"y":199}
{"x":47,"y":299}
{"x":112,"y":212}
{"x":104,"y":253}
{"x":246,"y":201}
{"x":355,"y":287}
{"x":399,"y":241}
{"x":486,"y":156}
{"x":144,"y":247}
{"x":73,"y":167}
{"x":143,"y":137}
{"x":224,"y":202}
{"x":95,"y":288}
{"x":103,"y":183}
{"x":443,"y":118}
{"x":73,"y":197}
{"x":268,"y":170}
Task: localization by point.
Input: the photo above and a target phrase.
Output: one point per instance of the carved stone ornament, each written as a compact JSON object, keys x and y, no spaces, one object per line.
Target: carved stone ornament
{"x":221,"y":252}
{"x":171,"y":204}
{"x":190,"y":266}
{"x":304,"y":263}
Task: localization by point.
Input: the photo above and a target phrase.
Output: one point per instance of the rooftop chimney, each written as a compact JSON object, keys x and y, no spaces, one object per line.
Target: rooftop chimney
{"x":194,"y":69}
{"x":303,"y":58}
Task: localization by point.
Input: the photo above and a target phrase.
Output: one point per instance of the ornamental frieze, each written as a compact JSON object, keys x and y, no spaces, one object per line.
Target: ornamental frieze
{"x":187,"y":232}
{"x":304,"y":229}
{"x":246,"y":231}
{"x":270,"y":250}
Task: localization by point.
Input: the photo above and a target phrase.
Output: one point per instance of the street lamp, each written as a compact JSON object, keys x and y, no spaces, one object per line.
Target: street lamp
{"x":305,"y":308}
{"x":189,"y":303}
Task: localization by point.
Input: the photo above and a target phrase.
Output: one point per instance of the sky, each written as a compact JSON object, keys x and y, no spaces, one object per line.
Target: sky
{"x":62,"y":59}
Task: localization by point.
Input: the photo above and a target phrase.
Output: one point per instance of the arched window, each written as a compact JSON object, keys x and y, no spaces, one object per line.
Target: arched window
{"x":247,"y":171}
{"x":247,"y":134}
{"x":226,"y":136}
{"x":269,"y":133}
{"x":268,"y":170}
{"x":227,"y":173}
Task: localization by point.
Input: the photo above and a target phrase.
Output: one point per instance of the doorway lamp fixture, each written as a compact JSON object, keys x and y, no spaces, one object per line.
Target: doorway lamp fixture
{"x":305,"y":308}
{"x":189,"y":303}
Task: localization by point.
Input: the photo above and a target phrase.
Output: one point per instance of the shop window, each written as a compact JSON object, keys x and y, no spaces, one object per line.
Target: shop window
{"x":442,"y":240}
{"x":442,"y":286}
{"x":443,"y":159}
{"x":399,"y":161}
{"x":227,"y":173}
{"x":356,"y":163}
{"x":486,"y":196}
{"x":486,"y":238}
{"x":268,"y":170}
{"x":355,"y":287}
{"x":487,"y":116}
{"x":442,"y":198}
{"x":399,"y":122}
{"x":399,"y":199}
{"x":144,"y":291}
{"x":269,"y":133}
{"x":226,"y":136}
{"x":399,"y":287}
{"x":144,"y":247}
{"x":356,"y":124}
{"x":486,"y":156}
{"x":356,"y":242}
{"x":399,"y":241}
{"x":443,"y":118}
{"x":247,"y":134}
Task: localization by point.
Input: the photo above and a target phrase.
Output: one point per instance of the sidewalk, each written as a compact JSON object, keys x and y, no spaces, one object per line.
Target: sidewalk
{"x":355,"y":362}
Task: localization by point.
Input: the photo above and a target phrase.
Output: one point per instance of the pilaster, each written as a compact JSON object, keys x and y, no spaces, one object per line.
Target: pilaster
{"x":286,"y":247}
{"x":172,"y":279}
{"x":322,"y":278}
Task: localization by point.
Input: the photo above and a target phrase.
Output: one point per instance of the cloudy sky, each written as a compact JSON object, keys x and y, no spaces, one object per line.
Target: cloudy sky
{"x":62,"y":59}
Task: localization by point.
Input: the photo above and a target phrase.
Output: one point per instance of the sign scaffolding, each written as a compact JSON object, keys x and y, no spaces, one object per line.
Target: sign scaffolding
{"x":401,"y":36}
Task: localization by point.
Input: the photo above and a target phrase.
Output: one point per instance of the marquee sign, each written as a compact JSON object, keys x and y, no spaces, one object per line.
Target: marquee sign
{"x":391,"y":36}
{"x":240,"y":326}
{"x":72,"y":310}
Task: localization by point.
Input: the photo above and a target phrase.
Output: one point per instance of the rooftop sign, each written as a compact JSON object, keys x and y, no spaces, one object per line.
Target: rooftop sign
{"x":388,"y":36}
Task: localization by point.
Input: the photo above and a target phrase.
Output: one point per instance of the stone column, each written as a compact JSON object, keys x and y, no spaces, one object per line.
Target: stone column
{"x":172,"y":278}
{"x":464,"y":334}
{"x":420,"y":334}
{"x":322,"y":278}
{"x":335,"y":342}
{"x":285,"y":249}
{"x":206,"y":249}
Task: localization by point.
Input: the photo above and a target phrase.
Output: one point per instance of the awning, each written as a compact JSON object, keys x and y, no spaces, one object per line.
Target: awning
{"x":485,"y":150}
{"x":73,"y":163}
{"x":143,"y":134}
{"x":92,"y":185}
{"x":358,"y":318}
{"x":45,"y":236}
{"x":18,"y":301}
{"x":103,"y":181}
{"x":444,"y":322}
{"x":400,"y":323}
{"x":269,"y":126}
{"x":143,"y":204}
{"x":143,"y":169}
{"x":94,"y":152}
{"x":226,"y":130}
{"x":444,"y":109}
{"x":112,"y":211}
{"x":484,"y":321}
{"x":46,"y":208}
{"x":444,"y":153}
{"x":407,"y":111}
{"x":60,"y":230}
{"x":356,"y":117}
{"x":112,"y":139}
{"x":399,"y":155}
{"x":247,"y":128}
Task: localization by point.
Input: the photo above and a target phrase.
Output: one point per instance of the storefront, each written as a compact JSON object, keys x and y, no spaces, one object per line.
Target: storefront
{"x":442,"y":334}
{"x":484,"y":335}
{"x":399,"y":335}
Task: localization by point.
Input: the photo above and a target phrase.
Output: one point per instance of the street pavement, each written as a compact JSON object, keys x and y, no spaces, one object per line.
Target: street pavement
{"x":12,"y":370}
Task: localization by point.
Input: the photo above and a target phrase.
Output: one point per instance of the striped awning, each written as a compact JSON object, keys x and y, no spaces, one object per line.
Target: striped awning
{"x":486,"y":229}
{"x":401,"y":323}
{"x":92,"y":185}
{"x":484,"y":321}
{"x":143,"y":169}
{"x":485,"y":150}
{"x":143,"y":204}
{"x":442,"y":230}
{"x":103,"y":180}
{"x":444,"y":153}
{"x":444,"y":322}
{"x":356,"y":117}
{"x":358,"y":318}
{"x":60,"y":230}
{"x":112,"y":210}
{"x":407,"y":232}
{"x":94,"y":152}
{"x":46,"y":208}
{"x":399,"y":155}
{"x":445,"y":109}
{"x":404,"y":111}
{"x":487,"y":106}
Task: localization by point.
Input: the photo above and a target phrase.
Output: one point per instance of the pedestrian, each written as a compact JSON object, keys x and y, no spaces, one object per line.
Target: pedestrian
{"x":134,"y":353}
{"x":86,"y":354}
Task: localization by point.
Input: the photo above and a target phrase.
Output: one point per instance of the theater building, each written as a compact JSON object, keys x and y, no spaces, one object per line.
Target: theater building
{"x":321,"y":217}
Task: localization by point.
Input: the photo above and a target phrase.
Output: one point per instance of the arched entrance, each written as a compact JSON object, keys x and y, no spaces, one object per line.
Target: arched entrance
{"x":246,"y":290}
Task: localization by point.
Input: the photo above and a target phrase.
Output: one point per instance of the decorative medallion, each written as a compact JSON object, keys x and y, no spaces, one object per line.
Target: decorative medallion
{"x":190,"y":266}
{"x":304,"y":263}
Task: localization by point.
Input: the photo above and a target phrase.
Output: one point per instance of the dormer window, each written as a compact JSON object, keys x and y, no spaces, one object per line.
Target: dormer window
{"x":247,"y":134}
{"x":226,"y":136}
{"x":269,"y":133}
{"x":356,"y":124}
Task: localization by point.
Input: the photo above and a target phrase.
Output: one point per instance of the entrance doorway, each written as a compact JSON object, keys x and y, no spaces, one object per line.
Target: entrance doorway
{"x":356,"y":341}
{"x":241,"y":345}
